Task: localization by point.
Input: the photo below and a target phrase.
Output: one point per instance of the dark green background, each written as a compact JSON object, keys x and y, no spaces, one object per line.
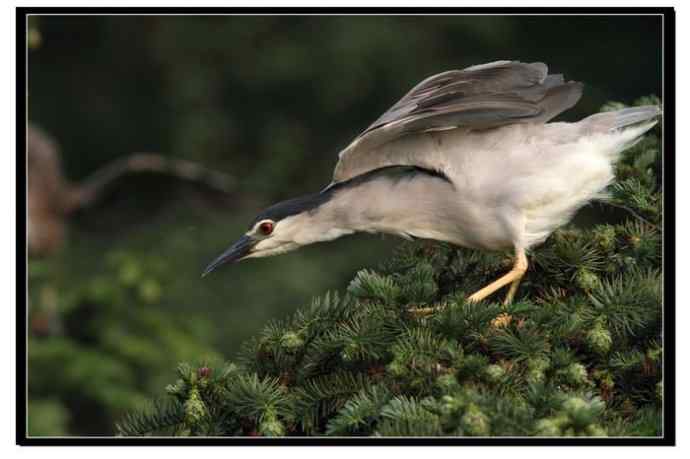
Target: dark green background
{"x":271,"y":101}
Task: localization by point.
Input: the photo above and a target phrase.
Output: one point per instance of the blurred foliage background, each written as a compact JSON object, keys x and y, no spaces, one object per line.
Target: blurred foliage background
{"x":270,"y":101}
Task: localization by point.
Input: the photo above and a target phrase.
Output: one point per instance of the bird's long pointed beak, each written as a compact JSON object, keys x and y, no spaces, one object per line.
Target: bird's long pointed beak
{"x":236,"y":252}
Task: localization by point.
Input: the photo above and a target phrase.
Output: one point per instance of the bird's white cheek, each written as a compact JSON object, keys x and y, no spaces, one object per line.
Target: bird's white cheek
{"x":270,"y":247}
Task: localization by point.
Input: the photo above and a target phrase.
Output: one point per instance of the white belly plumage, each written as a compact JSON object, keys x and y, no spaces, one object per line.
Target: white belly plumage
{"x":529,"y":185}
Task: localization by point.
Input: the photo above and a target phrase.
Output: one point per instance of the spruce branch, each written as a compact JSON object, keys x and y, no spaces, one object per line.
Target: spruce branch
{"x":162,"y":416}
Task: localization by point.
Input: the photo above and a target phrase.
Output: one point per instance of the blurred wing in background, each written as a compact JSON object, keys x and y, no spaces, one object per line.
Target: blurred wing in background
{"x":478,"y":97}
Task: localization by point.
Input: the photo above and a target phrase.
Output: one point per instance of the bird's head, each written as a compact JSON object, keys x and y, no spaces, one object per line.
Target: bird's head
{"x":284,"y":227}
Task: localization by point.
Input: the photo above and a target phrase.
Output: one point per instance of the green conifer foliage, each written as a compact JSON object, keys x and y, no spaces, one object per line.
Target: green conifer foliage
{"x":99,"y":348}
{"x":577,"y":354}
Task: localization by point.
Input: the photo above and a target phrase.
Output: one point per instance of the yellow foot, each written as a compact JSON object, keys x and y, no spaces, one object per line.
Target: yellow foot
{"x":476,"y":297}
{"x":511,"y":293}
{"x":513,"y":277}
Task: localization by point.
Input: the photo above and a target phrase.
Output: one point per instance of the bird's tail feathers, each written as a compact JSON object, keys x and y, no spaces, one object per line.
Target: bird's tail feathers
{"x":626,"y":125}
{"x":635,"y":116}
{"x":624,"y":119}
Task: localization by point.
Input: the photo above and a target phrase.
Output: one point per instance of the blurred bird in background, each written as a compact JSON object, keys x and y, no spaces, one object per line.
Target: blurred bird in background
{"x":52,"y":198}
{"x":466,"y":157}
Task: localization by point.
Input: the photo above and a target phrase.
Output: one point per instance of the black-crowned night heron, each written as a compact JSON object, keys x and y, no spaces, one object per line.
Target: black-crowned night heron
{"x":466,"y":157}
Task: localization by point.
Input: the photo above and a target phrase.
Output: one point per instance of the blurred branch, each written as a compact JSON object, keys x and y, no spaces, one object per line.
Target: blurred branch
{"x":52,"y":198}
{"x":89,"y":191}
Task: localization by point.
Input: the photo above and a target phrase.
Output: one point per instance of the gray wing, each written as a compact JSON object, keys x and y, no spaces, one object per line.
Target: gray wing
{"x":478,"y":97}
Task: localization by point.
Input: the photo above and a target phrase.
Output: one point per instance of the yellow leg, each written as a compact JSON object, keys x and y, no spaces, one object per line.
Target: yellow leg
{"x":512,"y":277}
{"x":513,"y":290}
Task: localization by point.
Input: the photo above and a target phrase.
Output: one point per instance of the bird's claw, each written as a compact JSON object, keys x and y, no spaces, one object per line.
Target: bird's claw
{"x":474,"y":298}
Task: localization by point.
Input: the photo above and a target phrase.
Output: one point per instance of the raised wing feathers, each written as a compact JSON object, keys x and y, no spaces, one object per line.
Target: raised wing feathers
{"x":478,"y":97}
{"x":450,"y":85}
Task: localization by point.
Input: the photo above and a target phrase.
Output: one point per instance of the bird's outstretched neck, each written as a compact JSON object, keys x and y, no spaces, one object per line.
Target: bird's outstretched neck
{"x":400,"y":200}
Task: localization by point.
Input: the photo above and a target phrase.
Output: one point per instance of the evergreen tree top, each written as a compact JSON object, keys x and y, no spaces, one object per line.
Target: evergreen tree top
{"x":577,"y":354}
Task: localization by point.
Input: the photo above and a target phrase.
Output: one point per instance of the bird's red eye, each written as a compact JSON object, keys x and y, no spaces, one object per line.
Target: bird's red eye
{"x":266,"y":228}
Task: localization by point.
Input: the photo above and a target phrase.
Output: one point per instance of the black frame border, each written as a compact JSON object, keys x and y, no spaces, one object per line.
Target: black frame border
{"x":669,"y":236}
